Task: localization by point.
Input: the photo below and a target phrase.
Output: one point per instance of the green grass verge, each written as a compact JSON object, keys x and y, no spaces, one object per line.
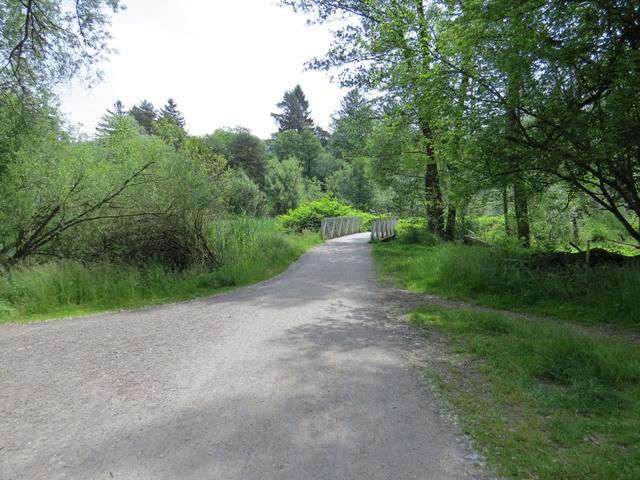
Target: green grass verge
{"x":539,"y":400}
{"x":501,"y":278}
{"x":251,"y":249}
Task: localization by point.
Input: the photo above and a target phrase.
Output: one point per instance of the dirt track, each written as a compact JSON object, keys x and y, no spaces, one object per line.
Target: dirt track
{"x":305,"y":376}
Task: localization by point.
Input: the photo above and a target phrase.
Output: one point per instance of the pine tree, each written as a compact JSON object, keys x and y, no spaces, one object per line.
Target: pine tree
{"x":105,"y":126}
{"x":352,"y":125}
{"x":294,"y":112}
{"x":171,"y":113}
{"x":145,"y":114}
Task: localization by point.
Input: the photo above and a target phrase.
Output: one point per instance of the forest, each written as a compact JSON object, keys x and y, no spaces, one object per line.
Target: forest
{"x":511,"y":125}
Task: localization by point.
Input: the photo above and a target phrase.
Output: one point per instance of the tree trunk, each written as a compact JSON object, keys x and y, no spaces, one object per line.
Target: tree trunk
{"x":450,"y":230}
{"x":432,"y":189}
{"x":574,"y":227}
{"x":521,"y":207}
{"x":433,"y":197}
{"x":505,"y":210}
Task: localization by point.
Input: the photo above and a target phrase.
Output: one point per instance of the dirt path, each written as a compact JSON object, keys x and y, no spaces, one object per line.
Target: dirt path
{"x":410,"y":300}
{"x":305,"y":376}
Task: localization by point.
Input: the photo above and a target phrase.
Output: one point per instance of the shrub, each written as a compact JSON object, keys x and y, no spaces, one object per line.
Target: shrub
{"x":247,"y":250}
{"x":413,"y":230}
{"x":310,"y":215}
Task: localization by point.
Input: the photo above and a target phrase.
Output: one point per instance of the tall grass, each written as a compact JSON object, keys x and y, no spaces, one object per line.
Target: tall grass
{"x":248,"y":249}
{"x":506,"y":279}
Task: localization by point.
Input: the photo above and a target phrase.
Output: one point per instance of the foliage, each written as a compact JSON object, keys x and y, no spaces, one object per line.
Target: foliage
{"x":171,"y":114}
{"x":353,"y":184}
{"x":244,"y":196}
{"x":308,"y":217}
{"x":145,"y":114}
{"x":284,"y":184}
{"x":242,"y":150}
{"x":106,"y":124}
{"x":306,"y":147}
{"x":540,"y":400}
{"x":413,"y":230}
{"x":352,"y":126}
{"x":46,"y":42}
{"x":126,"y":195}
{"x":294,"y":112}
{"x":249,"y":250}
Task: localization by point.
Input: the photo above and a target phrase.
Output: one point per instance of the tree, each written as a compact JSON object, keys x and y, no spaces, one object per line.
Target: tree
{"x":46,"y":42}
{"x":145,"y":114}
{"x":56,"y":186}
{"x":244,"y":196}
{"x":575,"y":112}
{"x":105,"y":126}
{"x":353,"y":184}
{"x":242,"y":150}
{"x":352,"y":126}
{"x":304,"y":146}
{"x":402,"y":38}
{"x":170,"y":132}
{"x":295,"y":113}
{"x":171,"y":114}
{"x":284,"y":184}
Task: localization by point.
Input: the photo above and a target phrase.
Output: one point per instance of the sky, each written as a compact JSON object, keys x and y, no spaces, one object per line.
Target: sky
{"x":225,"y":62}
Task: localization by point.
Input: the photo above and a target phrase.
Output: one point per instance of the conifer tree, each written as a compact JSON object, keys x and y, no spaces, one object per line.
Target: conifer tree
{"x":145,"y":114}
{"x":294,"y":112}
{"x":171,"y":113}
{"x":105,"y":126}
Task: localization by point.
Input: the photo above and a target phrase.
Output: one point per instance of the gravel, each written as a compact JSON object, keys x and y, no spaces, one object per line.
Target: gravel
{"x":305,"y":376}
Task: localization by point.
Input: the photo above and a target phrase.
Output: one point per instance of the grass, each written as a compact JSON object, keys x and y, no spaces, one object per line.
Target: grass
{"x":539,"y":400}
{"x":503,"y":278}
{"x":251,"y":250}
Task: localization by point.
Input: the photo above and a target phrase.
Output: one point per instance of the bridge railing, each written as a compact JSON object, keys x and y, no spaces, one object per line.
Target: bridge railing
{"x":383,"y":229}
{"x":333,"y":227}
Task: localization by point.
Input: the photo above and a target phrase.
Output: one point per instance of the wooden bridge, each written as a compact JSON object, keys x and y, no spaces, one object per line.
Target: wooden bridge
{"x":333,"y":227}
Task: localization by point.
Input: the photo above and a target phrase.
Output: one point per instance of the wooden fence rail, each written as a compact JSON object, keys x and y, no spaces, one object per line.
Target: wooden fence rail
{"x":333,"y":227}
{"x":383,"y":229}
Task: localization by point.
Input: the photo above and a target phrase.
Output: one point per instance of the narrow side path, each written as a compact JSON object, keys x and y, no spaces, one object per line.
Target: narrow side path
{"x":305,"y":376}
{"x":409,"y":300}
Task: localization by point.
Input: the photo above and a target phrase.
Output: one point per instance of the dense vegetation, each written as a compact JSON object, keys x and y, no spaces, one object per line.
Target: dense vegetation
{"x":248,"y":250}
{"x":142,"y":211}
{"x":514,"y":279}
{"x":527,"y":110}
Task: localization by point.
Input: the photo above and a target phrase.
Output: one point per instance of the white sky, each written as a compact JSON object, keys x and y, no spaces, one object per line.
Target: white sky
{"x":225,"y":62}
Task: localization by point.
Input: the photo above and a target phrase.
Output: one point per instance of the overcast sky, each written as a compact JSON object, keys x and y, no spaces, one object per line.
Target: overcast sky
{"x":225,"y":63}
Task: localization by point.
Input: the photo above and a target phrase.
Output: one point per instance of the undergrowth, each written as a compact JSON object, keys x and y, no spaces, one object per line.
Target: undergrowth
{"x":248,"y":250}
{"x":505,"y":278}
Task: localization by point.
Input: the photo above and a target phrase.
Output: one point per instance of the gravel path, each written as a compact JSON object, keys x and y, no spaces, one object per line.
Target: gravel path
{"x":305,"y":376}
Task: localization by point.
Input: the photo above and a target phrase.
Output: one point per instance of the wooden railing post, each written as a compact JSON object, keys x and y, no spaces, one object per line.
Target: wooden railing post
{"x":383,"y":228}
{"x":332,"y":227}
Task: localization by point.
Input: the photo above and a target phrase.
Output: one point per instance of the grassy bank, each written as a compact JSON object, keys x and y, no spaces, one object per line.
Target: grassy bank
{"x":539,"y":400}
{"x":250,"y":250}
{"x":505,"y":279}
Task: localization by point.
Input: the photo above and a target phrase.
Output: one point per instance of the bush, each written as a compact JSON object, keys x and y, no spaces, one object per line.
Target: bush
{"x":309,"y":216}
{"x":413,"y":230}
{"x":244,"y":196}
{"x":247,"y":250}
{"x":505,"y":278}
